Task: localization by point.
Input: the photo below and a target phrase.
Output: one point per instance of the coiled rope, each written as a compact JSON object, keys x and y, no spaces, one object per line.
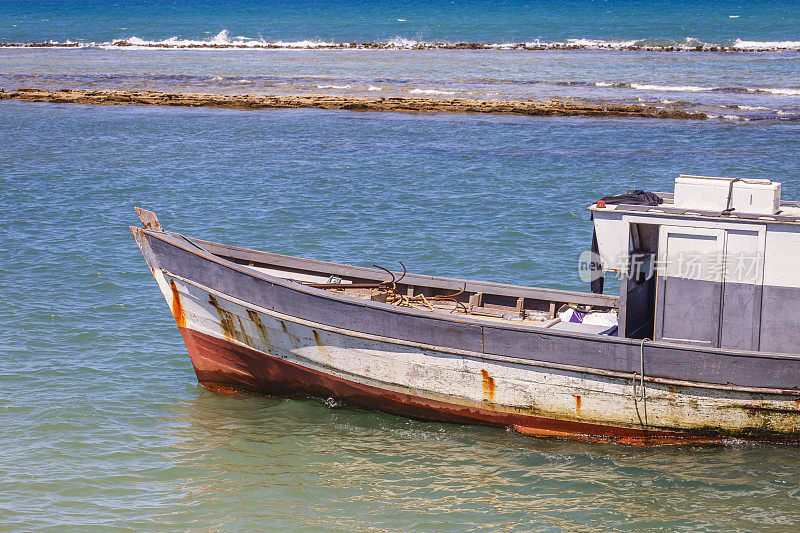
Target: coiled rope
{"x":394,"y":297}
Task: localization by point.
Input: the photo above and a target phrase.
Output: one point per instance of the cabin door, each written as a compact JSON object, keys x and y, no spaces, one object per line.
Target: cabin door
{"x":708,"y":290}
{"x":689,"y":285}
{"x":741,"y":290}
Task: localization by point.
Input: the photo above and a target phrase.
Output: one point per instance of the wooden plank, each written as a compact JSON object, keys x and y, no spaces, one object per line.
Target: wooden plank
{"x":149,"y":219}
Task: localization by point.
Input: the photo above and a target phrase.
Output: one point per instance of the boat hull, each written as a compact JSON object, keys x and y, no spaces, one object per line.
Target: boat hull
{"x":235,"y":346}
{"x":247,"y":330}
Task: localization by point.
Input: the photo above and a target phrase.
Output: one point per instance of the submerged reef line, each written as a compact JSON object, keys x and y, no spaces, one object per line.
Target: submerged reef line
{"x":221,"y":43}
{"x":548,"y":108}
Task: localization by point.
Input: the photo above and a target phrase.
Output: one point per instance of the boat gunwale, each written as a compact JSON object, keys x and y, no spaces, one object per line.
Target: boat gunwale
{"x":207,"y":255}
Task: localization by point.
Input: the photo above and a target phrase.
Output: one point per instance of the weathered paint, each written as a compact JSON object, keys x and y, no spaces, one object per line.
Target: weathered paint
{"x":668,"y":363}
{"x":224,"y":366}
{"x":175,"y":305}
{"x":234,"y":345}
{"x":264,"y":334}
{"x":487,"y":382}
{"x":645,"y":440}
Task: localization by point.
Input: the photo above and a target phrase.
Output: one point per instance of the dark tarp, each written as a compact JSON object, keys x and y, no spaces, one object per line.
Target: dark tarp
{"x":637,"y":197}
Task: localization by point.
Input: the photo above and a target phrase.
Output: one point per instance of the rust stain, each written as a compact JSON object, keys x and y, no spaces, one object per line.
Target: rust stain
{"x":177,"y":308}
{"x":241,"y":329}
{"x":220,"y":388}
{"x":227,"y":323}
{"x":316,"y":338}
{"x":259,"y":325}
{"x":577,"y":402}
{"x":488,"y":386}
{"x":283,"y":327}
{"x":755,"y":410}
{"x":643,"y":441}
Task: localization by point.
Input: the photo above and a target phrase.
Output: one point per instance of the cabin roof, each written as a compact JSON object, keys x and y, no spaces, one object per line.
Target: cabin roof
{"x":789,"y":212}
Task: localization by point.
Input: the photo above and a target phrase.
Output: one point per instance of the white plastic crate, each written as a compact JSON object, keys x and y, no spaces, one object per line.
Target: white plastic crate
{"x":749,"y":196}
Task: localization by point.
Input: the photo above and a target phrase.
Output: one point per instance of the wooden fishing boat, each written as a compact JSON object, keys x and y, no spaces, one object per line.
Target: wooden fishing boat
{"x":722,"y":363}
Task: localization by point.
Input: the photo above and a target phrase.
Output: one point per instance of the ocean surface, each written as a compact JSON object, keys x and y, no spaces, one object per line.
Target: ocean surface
{"x":104,"y":424}
{"x":143,"y":45}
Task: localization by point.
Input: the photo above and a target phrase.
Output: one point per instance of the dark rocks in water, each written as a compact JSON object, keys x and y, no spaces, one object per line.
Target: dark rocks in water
{"x":352,"y":103}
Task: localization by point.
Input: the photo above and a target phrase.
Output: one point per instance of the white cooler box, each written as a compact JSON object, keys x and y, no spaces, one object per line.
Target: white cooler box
{"x":749,"y":196}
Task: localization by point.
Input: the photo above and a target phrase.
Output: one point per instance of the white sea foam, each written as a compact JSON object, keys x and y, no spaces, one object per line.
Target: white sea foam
{"x":784,"y":92}
{"x":504,"y":46}
{"x":373,"y":88}
{"x":603,"y":84}
{"x":766,"y":45}
{"x":600,"y":43}
{"x":223,"y":39}
{"x":400,"y":42}
{"x":671,"y":88}
{"x":333,"y":87}
{"x":430,"y":91}
{"x":302,"y":44}
{"x":728,"y":117}
{"x":752,"y":108}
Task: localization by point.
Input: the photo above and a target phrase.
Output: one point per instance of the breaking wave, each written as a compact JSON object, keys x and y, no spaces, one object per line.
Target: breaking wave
{"x":670,"y":88}
{"x":430,"y":91}
{"x":766,"y":45}
{"x":224,"y":40}
{"x":780,"y":91}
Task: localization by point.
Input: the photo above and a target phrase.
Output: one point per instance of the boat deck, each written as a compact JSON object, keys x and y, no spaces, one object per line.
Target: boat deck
{"x":498,"y":303}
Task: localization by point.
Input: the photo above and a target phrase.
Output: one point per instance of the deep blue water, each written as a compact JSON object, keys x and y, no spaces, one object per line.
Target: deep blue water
{"x":103,"y":421}
{"x":710,"y":21}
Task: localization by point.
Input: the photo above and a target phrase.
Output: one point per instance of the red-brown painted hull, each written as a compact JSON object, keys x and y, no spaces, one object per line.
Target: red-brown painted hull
{"x":225,"y":366}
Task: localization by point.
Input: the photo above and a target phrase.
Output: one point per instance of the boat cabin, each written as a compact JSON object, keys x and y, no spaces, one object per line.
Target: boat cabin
{"x":716,"y":264}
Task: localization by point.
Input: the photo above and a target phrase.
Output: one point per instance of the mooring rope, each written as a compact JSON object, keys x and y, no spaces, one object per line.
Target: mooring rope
{"x":643,"y":390}
{"x":394,"y":297}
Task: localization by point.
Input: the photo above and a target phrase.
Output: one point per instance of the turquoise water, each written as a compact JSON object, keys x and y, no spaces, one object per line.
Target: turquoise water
{"x":718,"y":22}
{"x":105,"y":425}
{"x":730,"y":86}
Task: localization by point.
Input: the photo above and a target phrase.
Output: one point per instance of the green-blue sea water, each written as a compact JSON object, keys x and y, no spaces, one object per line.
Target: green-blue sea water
{"x":103,"y":423}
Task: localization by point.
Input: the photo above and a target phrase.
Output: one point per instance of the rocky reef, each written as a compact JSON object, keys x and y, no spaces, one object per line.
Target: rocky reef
{"x":549,"y":108}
